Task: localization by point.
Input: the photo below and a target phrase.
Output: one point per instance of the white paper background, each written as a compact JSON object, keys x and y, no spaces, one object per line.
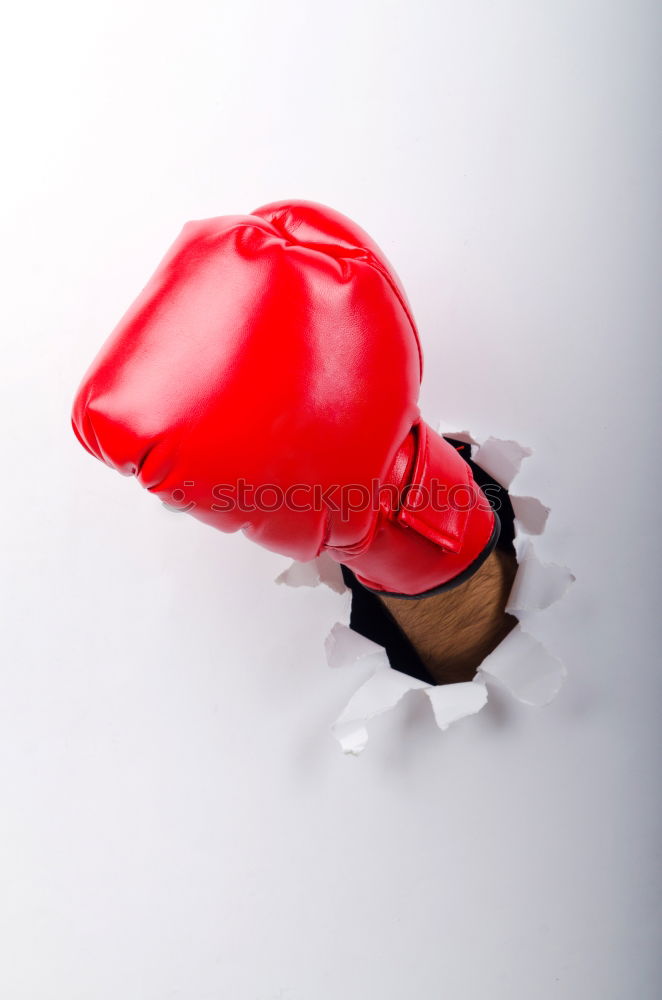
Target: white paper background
{"x":176,"y":820}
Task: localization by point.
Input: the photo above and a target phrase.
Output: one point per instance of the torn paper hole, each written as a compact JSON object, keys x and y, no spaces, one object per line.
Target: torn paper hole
{"x":380,"y":692}
{"x":452,"y":702}
{"x":385,"y":687}
{"x":525,"y":668}
{"x":536,"y":585}
{"x":501,"y":459}
{"x":324,"y":569}
{"x":344,"y":646}
{"x":464,"y":436}
{"x":521,"y":664}
{"x":531,"y":514}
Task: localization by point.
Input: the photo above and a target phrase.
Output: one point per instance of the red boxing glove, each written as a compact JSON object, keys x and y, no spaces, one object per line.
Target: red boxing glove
{"x":266,"y":379}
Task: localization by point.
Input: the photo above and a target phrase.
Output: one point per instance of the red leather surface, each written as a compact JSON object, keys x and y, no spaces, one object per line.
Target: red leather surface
{"x":279,"y":348}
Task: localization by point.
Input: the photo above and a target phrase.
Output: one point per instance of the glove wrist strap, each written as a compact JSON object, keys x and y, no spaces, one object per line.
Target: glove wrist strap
{"x":437,"y":531}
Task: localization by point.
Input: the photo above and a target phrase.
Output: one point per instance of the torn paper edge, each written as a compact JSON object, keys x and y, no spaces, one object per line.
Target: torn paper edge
{"x":323,"y":569}
{"x":385,"y":688}
{"x":501,"y":459}
{"x":531,"y":515}
{"x":524,"y":667}
{"x":520,"y":663}
{"x":537,"y":585}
